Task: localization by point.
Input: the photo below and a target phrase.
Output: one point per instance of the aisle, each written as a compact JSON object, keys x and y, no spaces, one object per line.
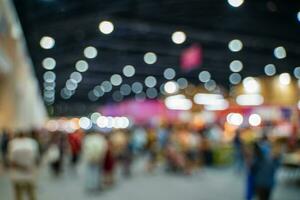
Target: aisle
{"x":210,"y":184}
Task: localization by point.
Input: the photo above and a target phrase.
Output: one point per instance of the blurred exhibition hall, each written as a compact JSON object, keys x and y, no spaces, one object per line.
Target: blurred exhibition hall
{"x":150,"y":99}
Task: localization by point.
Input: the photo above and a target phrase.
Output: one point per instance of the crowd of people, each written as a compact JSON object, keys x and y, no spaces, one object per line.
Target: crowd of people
{"x":181,"y":148}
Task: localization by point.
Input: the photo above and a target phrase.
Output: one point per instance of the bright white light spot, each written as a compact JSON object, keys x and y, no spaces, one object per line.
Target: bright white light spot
{"x":298,"y":105}
{"x":280,"y":52}
{"x":297,"y":72}
{"x":150,"y":58}
{"x":102,"y":122}
{"x":298,"y":16}
{"x":81,"y":66}
{"x":235,"y":119}
{"x":220,"y":104}
{"x":204,"y":76}
{"x":285,"y":78}
{"x":116,"y":80}
{"x":150,"y":81}
{"x":171,"y":87}
{"x":178,"y":102}
{"x":251,"y":85}
{"x":236,"y":66}
{"x":49,"y":76}
{"x":76,"y":76}
{"x":270,"y":69}
{"x":90,"y":52}
{"x":49,"y":63}
{"x":208,"y":99}
{"x":47,"y":42}
{"x":235,"y":3}
{"x":128,"y":71}
{"x":85,"y":123}
{"x":95,"y":116}
{"x":254,"y":120}
{"x":235,"y":45}
{"x":106,"y":27}
{"x":235,"y":78}
{"x":250,"y":100}
{"x":178,"y":37}
{"x":169,"y":73}
{"x":137,"y":87}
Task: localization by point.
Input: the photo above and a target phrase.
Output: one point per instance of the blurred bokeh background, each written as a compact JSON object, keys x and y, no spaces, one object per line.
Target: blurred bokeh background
{"x":194,"y":99}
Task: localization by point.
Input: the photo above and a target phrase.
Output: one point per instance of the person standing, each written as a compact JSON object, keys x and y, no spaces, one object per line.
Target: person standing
{"x":23,"y":157}
{"x":94,"y":149}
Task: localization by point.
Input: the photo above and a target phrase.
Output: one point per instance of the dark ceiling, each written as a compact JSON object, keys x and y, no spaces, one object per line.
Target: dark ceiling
{"x":143,"y":25}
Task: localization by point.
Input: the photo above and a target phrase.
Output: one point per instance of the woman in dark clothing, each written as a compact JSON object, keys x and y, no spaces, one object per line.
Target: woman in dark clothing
{"x":109,"y":165}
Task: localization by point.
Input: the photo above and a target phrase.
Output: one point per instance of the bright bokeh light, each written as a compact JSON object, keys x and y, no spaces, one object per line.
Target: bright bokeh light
{"x":150,"y":58}
{"x":95,"y":116}
{"x":169,"y":73}
{"x":85,"y":123}
{"x":235,"y":45}
{"x":236,"y":66}
{"x":250,"y":100}
{"x":128,"y":70}
{"x":182,"y":83}
{"x":125,"y":89}
{"x":285,"y":79}
{"x":210,"y":85}
{"x":178,"y":102}
{"x":235,"y":3}
{"x":47,"y":42}
{"x":71,"y":84}
{"x":81,"y":66}
{"x":221,"y":104}
{"x":208,"y":99}
{"x":251,"y":85}
{"x":116,"y":80}
{"x":171,"y":87}
{"x":90,"y":52}
{"x":280,"y":52}
{"x":107,"y":86}
{"x":204,"y":76}
{"x":297,"y":72}
{"x":113,"y":122}
{"x":106,"y":27}
{"x":235,"y":119}
{"x":52,"y":125}
{"x":137,"y":87}
{"x":49,"y":63}
{"x":270,"y":70}
{"x":49,"y":76}
{"x":150,"y":81}
{"x":235,"y":78}
{"x":76,"y":76}
{"x":254,"y":120}
{"x":298,"y":16}
{"x":178,"y":37}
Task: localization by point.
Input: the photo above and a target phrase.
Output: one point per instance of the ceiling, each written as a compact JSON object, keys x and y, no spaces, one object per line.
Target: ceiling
{"x":142,"y":26}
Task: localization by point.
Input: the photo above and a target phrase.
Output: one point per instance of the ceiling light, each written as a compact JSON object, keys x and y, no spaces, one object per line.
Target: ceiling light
{"x":178,"y":37}
{"x":106,"y":27}
{"x":47,"y":42}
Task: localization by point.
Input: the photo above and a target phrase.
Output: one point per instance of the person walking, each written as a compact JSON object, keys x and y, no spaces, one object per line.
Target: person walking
{"x":23,"y":157}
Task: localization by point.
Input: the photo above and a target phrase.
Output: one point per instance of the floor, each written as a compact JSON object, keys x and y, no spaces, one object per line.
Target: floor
{"x":208,"y":184}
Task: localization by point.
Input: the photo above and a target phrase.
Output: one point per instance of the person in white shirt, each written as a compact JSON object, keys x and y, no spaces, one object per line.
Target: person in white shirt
{"x":94,"y":149}
{"x":23,"y":155}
